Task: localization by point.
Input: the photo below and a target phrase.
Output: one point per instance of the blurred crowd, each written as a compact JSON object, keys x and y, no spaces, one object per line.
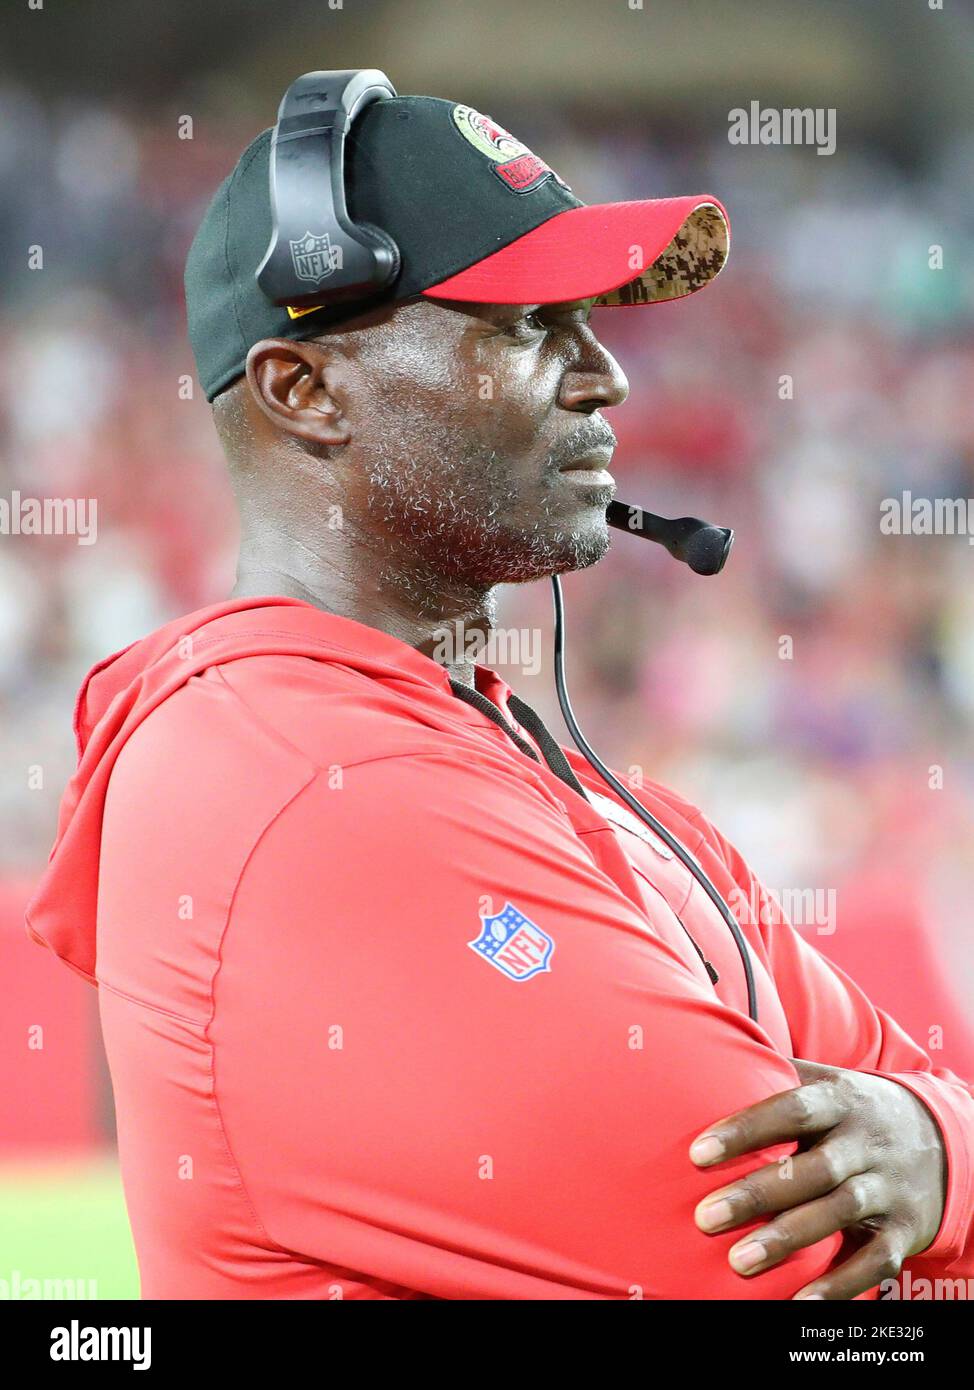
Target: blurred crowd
{"x":805,"y":698}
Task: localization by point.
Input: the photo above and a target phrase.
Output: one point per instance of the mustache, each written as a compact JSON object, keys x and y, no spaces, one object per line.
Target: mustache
{"x":596,"y":434}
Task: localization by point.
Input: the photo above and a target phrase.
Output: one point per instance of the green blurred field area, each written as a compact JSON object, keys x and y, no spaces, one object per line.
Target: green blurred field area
{"x":65,"y":1223}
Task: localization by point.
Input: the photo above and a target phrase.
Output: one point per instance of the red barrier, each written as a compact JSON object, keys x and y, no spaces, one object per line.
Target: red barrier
{"x":49,"y":1042}
{"x":905,"y":958}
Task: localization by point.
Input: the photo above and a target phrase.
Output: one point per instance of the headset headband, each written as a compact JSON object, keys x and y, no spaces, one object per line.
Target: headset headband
{"x":317,"y":254}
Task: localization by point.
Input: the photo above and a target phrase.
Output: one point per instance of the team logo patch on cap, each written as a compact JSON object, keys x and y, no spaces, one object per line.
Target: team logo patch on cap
{"x":512,"y":943}
{"x":513,"y":162}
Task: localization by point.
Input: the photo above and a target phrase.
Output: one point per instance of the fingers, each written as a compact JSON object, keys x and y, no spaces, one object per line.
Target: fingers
{"x":777,"y":1187}
{"x":880,"y":1258}
{"x":813,"y":1071}
{"x":861,"y":1196}
{"x":787,"y":1116}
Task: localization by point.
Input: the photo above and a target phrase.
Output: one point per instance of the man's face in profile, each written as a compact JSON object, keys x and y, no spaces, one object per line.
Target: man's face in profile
{"x":480,"y":432}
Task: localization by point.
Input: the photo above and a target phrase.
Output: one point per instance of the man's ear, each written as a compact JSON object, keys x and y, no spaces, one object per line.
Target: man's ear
{"x":297,"y":386}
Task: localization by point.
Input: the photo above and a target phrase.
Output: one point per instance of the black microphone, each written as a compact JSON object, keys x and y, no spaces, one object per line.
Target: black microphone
{"x":697,"y":543}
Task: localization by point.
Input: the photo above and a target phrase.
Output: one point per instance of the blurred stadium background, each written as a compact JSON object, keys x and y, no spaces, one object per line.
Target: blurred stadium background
{"x":818,"y":766}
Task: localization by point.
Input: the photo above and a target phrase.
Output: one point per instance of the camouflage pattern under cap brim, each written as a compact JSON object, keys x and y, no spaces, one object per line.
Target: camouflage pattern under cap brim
{"x":694,"y":256}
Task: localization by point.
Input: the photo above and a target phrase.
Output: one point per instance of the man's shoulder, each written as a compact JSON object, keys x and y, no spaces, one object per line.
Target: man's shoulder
{"x":682,"y":817}
{"x":332,"y":713}
{"x":661,"y":800}
{"x":276,"y":710}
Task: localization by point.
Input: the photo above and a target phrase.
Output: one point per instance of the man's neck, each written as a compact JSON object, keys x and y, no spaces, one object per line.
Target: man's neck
{"x":450,"y":624}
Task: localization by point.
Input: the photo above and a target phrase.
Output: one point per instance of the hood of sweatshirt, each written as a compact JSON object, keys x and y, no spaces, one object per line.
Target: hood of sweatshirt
{"x":123,"y":690}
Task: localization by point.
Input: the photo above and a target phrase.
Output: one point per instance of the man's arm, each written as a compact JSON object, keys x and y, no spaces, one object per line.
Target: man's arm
{"x":397,"y":1104}
{"x":833,"y":1022}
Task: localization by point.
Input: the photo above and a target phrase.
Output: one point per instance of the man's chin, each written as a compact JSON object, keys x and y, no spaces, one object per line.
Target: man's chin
{"x":481,"y":557}
{"x":559,"y":552}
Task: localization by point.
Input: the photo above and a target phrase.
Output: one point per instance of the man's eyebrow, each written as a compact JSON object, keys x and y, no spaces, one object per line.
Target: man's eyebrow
{"x":582,"y":306}
{"x":575,"y":306}
{"x":498,"y":314}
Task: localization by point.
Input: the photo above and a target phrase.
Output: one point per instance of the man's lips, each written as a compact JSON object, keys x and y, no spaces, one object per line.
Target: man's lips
{"x":592,"y":461}
{"x":591,"y":468}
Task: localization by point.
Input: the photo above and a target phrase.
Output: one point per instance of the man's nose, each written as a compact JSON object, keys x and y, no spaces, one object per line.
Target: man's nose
{"x":594,"y":383}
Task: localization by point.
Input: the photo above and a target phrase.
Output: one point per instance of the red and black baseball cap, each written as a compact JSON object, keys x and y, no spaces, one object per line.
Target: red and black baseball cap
{"x":476,"y":216}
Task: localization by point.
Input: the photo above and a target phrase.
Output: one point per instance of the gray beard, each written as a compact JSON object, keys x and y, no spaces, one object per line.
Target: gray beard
{"x":461,"y":526}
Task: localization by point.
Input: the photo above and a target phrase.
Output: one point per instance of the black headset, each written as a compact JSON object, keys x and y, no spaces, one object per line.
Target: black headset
{"x":352,"y":260}
{"x":343,"y":260}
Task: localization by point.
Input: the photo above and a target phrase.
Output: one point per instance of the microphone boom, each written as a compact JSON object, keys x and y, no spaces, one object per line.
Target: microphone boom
{"x":699,"y":544}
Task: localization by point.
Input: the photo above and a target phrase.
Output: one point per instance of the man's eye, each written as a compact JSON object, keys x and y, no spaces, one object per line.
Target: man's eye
{"x":525,"y":323}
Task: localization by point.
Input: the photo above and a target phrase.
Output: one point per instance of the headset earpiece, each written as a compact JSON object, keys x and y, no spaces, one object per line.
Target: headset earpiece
{"x":317,"y":255}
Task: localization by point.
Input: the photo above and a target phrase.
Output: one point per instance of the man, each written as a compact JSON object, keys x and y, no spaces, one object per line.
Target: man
{"x":398,"y":1001}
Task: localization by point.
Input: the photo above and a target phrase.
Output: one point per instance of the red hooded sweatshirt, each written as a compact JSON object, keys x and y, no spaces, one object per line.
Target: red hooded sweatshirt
{"x":392,"y":1011}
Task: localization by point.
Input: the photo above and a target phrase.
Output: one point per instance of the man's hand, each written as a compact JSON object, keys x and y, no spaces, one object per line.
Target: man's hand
{"x":871,"y":1164}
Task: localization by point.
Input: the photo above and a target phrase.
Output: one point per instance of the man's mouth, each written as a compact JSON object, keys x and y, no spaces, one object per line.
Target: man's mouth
{"x":591,"y":466}
{"x":591,"y":460}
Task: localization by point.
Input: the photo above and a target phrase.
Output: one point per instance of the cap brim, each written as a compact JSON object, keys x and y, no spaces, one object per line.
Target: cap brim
{"x":614,"y":253}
